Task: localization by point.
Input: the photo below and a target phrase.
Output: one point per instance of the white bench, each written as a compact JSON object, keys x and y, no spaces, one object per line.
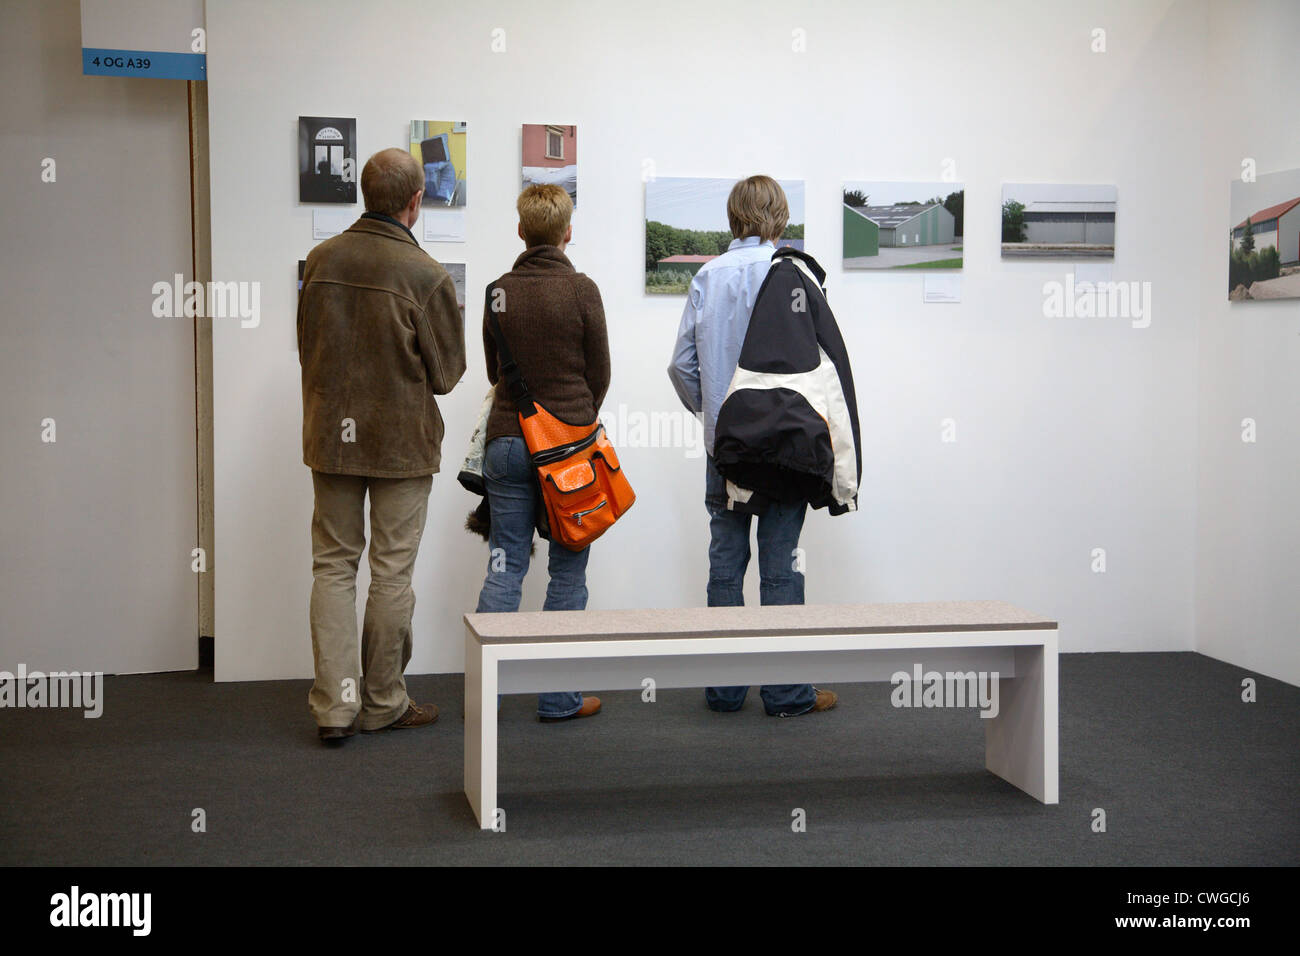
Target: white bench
{"x":530,"y":652}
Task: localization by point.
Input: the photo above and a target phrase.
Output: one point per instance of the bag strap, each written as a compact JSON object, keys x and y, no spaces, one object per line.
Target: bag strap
{"x":509,"y":367}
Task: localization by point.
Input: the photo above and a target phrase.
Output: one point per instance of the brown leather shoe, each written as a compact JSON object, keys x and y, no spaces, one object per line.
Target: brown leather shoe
{"x":826,"y":699}
{"x":415,"y":716}
{"x":590,"y":705}
{"x":334,"y":735}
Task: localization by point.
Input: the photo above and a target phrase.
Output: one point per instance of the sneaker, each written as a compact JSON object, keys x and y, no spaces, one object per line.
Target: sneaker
{"x":415,"y":716}
{"x":590,"y":705}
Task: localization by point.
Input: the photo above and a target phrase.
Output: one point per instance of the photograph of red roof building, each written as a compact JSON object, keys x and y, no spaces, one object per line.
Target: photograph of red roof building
{"x":686,"y":226}
{"x":1264,"y":238}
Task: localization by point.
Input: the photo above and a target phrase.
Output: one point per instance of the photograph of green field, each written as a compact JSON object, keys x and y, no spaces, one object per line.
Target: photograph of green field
{"x":686,"y":226}
{"x":911,"y":225}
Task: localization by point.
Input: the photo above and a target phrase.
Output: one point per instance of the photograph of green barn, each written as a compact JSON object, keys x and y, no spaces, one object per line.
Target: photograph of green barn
{"x":892,"y":225}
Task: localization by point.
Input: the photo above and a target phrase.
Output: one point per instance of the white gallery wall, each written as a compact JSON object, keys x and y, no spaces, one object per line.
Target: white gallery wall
{"x":96,"y":526}
{"x":1071,"y":434}
{"x":1248,"y":533}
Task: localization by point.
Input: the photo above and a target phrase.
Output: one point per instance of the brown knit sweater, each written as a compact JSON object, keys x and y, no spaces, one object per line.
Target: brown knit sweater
{"x":554,"y":323}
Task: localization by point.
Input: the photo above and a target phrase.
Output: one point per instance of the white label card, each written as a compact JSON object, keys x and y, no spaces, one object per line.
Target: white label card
{"x":1093,"y":272}
{"x":330,"y":222}
{"x":941,"y":288}
{"x":443,"y":225}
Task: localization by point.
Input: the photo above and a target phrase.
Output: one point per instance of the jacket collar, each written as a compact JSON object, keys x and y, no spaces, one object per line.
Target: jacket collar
{"x":543,"y":259}
{"x":789,"y":253}
{"x":376,"y":223}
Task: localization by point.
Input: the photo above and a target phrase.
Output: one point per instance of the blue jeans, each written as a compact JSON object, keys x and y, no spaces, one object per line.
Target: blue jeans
{"x":779,"y":581}
{"x":512,"y":497}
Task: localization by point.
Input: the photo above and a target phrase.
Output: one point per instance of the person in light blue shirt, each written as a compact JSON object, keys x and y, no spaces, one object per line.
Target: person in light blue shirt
{"x":709,"y":340}
{"x":714,"y":324}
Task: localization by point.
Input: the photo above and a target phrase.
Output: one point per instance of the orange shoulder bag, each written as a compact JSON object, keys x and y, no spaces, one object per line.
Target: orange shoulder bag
{"x":583,"y":487}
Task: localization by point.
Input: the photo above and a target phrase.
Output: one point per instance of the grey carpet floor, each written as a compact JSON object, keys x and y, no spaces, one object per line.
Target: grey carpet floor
{"x":1186,"y":773}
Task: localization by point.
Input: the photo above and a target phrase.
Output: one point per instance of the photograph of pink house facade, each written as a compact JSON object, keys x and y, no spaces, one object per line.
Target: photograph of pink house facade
{"x":550,"y":155}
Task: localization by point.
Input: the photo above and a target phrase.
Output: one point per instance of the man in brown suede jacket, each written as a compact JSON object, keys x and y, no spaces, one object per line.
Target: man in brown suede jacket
{"x":379,"y":335}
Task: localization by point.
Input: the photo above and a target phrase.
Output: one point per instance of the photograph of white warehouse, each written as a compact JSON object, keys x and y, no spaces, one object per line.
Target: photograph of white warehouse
{"x":1091,"y":223}
{"x":1058,"y":221}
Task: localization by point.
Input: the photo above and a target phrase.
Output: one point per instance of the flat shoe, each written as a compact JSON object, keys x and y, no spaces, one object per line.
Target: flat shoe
{"x":331,"y":735}
{"x":590,"y":705}
{"x":415,"y":716}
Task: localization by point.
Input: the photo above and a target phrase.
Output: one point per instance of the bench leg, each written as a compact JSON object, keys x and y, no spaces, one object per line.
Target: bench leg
{"x":480,"y":732}
{"x":1020,"y":743}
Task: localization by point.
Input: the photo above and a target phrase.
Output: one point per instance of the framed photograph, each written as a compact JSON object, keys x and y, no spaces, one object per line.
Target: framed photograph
{"x":903,"y":225}
{"x":686,"y":226}
{"x":327,"y":159}
{"x":550,"y":155}
{"x":1264,"y":237}
{"x":439,"y":147}
{"x":457,"y":271}
{"x":1047,"y":221}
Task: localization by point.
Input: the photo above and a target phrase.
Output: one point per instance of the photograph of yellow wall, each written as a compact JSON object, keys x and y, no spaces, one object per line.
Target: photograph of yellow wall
{"x":440,"y":149}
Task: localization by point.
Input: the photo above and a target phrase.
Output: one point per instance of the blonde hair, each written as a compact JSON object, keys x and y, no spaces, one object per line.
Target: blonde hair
{"x":389,"y":180}
{"x":757,"y":207}
{"x":544,"y":214}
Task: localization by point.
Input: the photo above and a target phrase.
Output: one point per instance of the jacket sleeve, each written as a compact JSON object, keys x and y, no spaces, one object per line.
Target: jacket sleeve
{"x":595,"y":340}
{"x":489,"y":340}
{"x":440,"y":329}
{"x":684,"y":370}
{"x":302,"y":289}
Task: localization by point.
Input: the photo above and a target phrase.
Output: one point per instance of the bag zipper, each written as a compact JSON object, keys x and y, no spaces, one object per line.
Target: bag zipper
{"x":578,"y":515}
{"x":560,"y":452}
